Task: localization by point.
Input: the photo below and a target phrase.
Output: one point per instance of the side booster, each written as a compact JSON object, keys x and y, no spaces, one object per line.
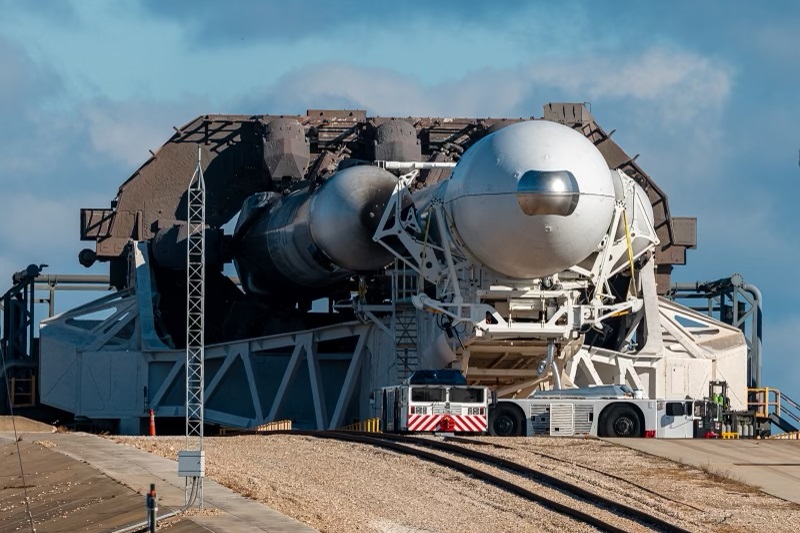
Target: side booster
{"x":309,"y":240}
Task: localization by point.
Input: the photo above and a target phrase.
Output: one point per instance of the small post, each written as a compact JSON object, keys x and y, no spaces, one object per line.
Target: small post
{"x":152,"y":508}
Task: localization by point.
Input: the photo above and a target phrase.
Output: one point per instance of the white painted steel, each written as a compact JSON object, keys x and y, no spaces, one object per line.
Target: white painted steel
{"x":483,"y":199}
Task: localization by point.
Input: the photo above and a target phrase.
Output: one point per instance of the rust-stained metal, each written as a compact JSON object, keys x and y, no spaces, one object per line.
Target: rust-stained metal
{"x":674,"y":242}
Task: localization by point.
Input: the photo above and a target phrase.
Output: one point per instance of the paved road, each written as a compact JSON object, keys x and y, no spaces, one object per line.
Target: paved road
{"x":136,"y":469}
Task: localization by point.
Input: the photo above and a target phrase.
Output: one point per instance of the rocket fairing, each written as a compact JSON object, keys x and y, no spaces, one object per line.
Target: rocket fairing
{"x":531,"y":200}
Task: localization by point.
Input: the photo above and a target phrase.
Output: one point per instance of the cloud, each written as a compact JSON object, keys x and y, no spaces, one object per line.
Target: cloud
{"x":244,"y":21}
{"x":41,"y":229}
{"x":23,"y":85}
{"x":125,"y":131}
{"x":679,"y":85}
{"x":59,"y":10}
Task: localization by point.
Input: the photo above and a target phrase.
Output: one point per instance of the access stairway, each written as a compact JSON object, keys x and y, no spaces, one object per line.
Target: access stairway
{"x":776,"y":407}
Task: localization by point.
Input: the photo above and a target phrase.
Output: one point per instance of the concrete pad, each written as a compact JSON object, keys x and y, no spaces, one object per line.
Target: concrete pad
{"x":27,"y":425}
{"x":772,"y":465}
{"x":137,"y":469}
{"x":64,"y":495}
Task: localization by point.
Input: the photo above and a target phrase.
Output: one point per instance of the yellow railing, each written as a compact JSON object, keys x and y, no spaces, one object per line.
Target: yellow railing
{"x":794,"y":435}
{"x":370,"y":425}
{"x":762,"y":398}
{"x":276,"y":425}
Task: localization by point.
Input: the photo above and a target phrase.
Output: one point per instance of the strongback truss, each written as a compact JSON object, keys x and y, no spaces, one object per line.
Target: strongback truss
{"x":113,"y":340}
{"x":304,"y":358}
{"x":79,"y":343}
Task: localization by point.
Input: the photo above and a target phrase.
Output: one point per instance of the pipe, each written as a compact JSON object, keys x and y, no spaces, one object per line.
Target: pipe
{"x":551,"y":356}
{"x":72,"y":278}
{"x":756,"y":346}
{"x":415,"y":165}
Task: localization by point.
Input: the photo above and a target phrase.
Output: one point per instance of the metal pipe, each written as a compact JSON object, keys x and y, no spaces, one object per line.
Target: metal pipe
{"x":96,"y":287}
{"x":72,"y":278}
{"x":756,"y":346}
{"x":143,"y":526}
{"x":29,"y":319}
{"x":152,"y":508}
{"x":414,"y":165}
{"x":551,"y":356}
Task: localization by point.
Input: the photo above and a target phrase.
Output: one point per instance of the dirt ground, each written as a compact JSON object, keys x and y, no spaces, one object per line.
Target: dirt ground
{"x":343,"y":487}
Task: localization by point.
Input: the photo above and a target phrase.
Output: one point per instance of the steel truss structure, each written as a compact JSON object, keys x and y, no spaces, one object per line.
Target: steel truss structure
{"x":195,"y":331}
{"x":105,"y":360}
{"x":732,"y":301}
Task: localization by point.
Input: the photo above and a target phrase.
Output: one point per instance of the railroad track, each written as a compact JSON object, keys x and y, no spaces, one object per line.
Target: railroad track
{"x":467,"y":440}
{"x":409,"y":445}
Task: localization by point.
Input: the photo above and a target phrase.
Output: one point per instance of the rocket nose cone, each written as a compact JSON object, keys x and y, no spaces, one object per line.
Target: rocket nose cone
{"x":345,"y":212}
{"x":531,"y":199}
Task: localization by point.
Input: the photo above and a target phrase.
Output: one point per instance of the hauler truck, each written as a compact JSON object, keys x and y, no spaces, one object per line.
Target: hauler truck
{"x":604,"y":411}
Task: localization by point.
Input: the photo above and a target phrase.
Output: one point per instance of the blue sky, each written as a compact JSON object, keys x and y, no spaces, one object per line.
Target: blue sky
{"x":706,"y":92}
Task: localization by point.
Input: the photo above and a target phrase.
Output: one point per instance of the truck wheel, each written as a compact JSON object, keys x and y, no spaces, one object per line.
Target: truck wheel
{"x":621,"y":421}
{"x":507,"y":422}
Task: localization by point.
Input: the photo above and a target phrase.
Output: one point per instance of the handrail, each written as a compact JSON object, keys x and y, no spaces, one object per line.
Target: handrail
{"x":761,"y":401}
{"x":791,"y":402}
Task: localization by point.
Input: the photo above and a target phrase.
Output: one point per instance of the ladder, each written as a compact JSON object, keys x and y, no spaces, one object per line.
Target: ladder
{"x":404,"y":320}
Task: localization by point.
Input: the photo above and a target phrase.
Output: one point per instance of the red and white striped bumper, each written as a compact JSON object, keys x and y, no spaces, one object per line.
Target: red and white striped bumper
{"x":461,"y":423}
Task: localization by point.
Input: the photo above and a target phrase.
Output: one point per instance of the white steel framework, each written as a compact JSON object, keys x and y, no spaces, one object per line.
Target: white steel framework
{"x":195,"y":311}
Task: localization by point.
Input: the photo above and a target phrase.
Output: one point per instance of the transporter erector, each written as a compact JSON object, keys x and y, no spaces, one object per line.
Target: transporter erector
{"x":528,"y":254}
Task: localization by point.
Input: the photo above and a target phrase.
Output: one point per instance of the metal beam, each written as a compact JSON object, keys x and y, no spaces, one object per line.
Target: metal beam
{"x":349,"y":383}
{"x":251,"y":381}
{"x":317,"y":390}
{"x":288,"y":374}
{"x":212,"y":387}
{"x":501,"y":373}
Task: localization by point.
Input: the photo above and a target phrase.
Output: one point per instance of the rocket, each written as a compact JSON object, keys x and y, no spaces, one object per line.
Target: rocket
{"x":527,"y":201}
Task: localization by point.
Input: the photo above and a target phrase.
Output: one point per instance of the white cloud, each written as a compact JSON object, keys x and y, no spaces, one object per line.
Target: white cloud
{"x":36,"y":229}
{"x":679,"y":85}
{"x":125,"y":131}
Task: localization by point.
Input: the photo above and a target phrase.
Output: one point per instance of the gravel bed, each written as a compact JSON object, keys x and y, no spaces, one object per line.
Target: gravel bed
{"x":546,"y":491}
{"x":344,"y":487}
{"x":725,"y":505}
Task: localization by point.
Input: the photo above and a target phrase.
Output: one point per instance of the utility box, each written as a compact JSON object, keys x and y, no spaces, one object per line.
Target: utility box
{"x":191,"y":463}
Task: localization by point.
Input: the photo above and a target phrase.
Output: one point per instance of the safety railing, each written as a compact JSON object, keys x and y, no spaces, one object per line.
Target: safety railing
{"x":794,"y":435}
{"x":790,"y":408}
{"x":275,"y":425}
{"x":764,"y":401}
{"x":370,"y":425}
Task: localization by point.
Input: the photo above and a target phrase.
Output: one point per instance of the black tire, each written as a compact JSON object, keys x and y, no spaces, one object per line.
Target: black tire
{"x":621,"y":421}
{"x":506,"y":421}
